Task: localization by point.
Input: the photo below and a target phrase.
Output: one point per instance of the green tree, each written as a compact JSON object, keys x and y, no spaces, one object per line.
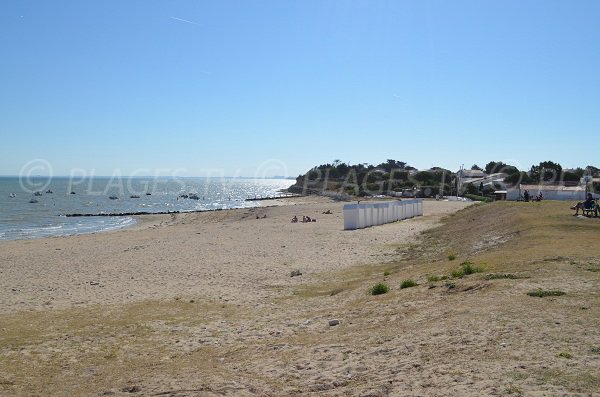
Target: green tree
{"x":517,"y":178}
{"x":546,"y":171}
{"x":570,"y":176}
{"x":494,"y":167}
{"x":593,"y":171}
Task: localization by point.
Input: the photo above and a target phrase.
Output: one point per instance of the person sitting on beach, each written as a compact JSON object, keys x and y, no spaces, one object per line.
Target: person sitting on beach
{"x":295,"y":219}
{"x":588,"y":204}
{"x":308,"y":219}
{"x":328,"y":212}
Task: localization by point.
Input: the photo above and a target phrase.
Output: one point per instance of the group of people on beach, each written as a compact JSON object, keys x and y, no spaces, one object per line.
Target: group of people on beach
{"x":305,"y":219}
{"x":527,"y":196}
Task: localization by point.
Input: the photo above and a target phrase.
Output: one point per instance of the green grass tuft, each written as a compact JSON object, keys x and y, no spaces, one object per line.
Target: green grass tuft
{"x":408,"y":284}
{"x":564,"y":355}
{"x":465,"y":269}
{"x":540,"y":293}
{"x":451,"y":256}
{"x":379,"y":289}
{"x":386,"y":273}
{"x":432,"y":278}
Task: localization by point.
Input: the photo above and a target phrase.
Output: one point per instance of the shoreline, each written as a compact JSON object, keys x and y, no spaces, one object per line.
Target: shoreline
{"x":236,"y":255}
{"x":138,"y":215}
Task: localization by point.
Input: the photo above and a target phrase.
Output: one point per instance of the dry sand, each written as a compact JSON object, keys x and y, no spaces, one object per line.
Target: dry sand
{"x":203,"y":305}
{"x":227,"y":255}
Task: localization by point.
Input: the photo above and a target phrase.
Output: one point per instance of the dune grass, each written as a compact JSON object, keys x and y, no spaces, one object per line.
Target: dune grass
{"x":408,"y":284}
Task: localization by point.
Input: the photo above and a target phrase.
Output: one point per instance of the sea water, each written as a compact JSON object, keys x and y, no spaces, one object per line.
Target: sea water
{"x":22,"y":219}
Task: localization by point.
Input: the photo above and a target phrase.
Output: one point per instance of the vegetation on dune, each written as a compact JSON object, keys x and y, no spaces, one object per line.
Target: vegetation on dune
{"x":465,"y":269}
{"x":432,"y":278}
{"x":408,"y":284}
{"x":379,"y":289}
{"x":540,"y":293}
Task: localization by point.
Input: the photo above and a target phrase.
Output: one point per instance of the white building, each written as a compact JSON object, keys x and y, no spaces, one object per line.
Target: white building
{"x":471,"y":174}
{"x":549,"y":192}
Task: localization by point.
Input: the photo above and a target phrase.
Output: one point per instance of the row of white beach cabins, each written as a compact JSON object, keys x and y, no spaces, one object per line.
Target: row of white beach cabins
{"x":359,"y":216}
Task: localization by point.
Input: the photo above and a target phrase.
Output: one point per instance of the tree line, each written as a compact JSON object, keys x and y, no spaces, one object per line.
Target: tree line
{"x":396,"y":176}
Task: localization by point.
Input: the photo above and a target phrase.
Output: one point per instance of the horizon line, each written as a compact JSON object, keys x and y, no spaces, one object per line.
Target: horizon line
{"x":148,"y":176}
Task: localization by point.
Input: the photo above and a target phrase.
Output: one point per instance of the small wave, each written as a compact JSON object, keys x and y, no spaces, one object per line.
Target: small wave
{"x":67,"y":229}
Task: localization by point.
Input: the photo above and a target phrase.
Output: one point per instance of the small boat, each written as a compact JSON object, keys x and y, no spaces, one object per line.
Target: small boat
{"x":134,"y":196}
{"x":194,"y":196}
{"x":72,"y":192}
{"x":113,"y":197}
{"x":148,"y":194}
{"x":33,"y":201}
{"x":184,"y":195}
{"x":12,"y":195}
{"x":49,"y":191}
{"x":37,"y":194}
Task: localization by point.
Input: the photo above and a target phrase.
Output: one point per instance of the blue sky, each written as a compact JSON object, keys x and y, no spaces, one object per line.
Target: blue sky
{"x":275,"y":87}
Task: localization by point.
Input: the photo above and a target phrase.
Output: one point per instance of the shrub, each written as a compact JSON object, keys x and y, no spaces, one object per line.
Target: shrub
{"x":379,"y":289}
{"x":540,"y":293}
{"x":386,"y":273}
{"x":408,"y":284}
{"x":465,"y":269}
{"x":451,"y":256}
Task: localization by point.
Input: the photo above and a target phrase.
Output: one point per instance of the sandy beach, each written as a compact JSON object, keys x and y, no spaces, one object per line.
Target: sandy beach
{"x":222,"y":255}
{"x":203,"y":305}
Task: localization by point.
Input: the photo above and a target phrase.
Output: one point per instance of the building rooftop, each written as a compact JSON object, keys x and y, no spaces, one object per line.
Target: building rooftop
{"x":472,"y":173}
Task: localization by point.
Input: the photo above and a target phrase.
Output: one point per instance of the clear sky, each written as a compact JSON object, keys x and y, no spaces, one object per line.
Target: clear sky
{"x":274,"y":87}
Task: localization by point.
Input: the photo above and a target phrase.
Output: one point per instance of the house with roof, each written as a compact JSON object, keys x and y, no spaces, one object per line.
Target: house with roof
{"x":470,"y":174}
